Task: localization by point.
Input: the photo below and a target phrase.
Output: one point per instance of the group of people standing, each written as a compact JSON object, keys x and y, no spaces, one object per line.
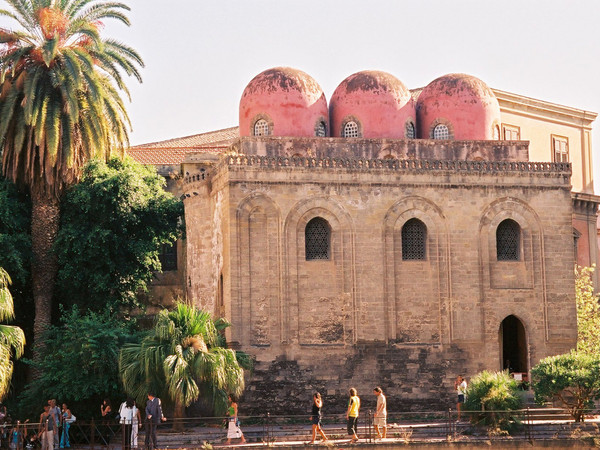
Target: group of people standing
{"x":130,"y":418}
{"x":52,"y":420}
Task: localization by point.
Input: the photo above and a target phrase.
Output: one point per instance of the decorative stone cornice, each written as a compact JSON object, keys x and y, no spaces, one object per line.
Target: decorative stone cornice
{"x":586,"y":204}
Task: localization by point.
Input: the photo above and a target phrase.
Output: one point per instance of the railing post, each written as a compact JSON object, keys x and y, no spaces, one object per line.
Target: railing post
{"x":450,"y":432}
{"x":369,"y":418}
{"x":92,"y":432}
{"x":528,"y":424}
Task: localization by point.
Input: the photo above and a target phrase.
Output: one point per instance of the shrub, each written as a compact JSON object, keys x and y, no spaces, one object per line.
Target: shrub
{"x":490,"y":398}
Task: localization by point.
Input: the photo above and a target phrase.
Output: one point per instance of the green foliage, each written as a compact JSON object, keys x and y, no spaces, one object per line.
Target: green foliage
{"x":181,"y":359}
{"x":15,"y":242}
{"x":80,"y":362}
{"x":588,"y":312}
{"x":572,"y":378}
{"x":496,"y":393}
{"x":12,"y":339}
{"x":113,"y":225}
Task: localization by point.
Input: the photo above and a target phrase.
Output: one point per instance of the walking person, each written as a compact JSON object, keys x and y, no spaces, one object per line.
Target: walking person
{"x":352,"y":414}
{"x":135,"y":425}
{"x":154,"y":416}
{"x":233,"y":426}
{"x":460,"y":385}
{"x":316,"y":418}
{"x":380,"y":418}
{"x":55,"y":410}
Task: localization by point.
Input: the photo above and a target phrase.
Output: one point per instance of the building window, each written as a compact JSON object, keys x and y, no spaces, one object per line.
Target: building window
{"x":560,"y":149}
{"x":321,"y":129}
{"x":350,"y":130}
{"x":168,"y":257}
{"x":410,"y":130}
{"x":261,"y":128}
{"x":508,"y":240}
{"x":496,"y":133}
{"x":414,"y":235}
{"x":441,"y":131}
{"x":511,"y":132}
{"x":317,"y":239}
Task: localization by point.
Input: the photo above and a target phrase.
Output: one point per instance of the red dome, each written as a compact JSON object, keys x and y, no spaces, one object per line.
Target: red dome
{"x":465,"y":104}
{"x":288,"y":101}
{"x":379,"y":102}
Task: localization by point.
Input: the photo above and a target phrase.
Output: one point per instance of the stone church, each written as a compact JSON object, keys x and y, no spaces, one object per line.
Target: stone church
{"x":390,"y":237}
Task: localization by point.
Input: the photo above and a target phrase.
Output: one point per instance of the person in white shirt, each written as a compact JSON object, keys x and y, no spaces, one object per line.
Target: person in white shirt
{"x":460,"y":385}
{"x":379,"y":420}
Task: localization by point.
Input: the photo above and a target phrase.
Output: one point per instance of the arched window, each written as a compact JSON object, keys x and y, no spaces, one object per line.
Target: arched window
{"x":410,"y":130}
{"x":414,"y":235}
{"x":321,"y":129}
{"x":317,"y":239}
{"x":261,"y":128}
{"x":496,"y":133}
{"x":508,"y":240}
{"x":350,"y":130}
{"x":441,"y":132}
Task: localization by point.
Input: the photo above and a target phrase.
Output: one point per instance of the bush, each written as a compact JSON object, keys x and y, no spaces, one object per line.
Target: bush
{"x":489,"y":395}
{"x":572,"y":378}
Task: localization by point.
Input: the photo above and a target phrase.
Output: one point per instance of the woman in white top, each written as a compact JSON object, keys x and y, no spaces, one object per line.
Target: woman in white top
{"x":128,"y":412}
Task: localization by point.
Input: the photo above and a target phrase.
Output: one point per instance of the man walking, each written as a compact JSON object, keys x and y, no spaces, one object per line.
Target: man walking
{"x":379,"y":421}
{"x":47,"y":428}
{"x":154,"y":416}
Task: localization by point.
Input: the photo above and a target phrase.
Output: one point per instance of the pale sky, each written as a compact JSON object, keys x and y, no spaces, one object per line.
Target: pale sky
{"x":200,"y":54}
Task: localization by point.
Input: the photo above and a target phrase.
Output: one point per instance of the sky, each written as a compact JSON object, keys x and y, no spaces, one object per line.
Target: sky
{"x":200,"y":54}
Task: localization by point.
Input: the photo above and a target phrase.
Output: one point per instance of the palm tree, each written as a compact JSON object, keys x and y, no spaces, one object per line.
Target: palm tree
{"x":60,"y":105}
{"x":12,"y":339}
{"x":182,"y":359}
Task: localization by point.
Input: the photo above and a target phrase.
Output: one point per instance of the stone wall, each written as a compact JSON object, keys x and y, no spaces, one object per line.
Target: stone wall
{"x":366,"y":316}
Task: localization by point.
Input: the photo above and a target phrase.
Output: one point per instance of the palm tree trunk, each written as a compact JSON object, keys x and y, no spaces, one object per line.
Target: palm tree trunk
{"x":178,"y":415}
{"x":45,"y":218}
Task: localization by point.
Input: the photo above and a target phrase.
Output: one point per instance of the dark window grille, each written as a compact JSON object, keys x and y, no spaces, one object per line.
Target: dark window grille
{"x":317,"y":238}
{"x":414,"y":235}
{"x":168,"y":257}
{"x":508,"y":240}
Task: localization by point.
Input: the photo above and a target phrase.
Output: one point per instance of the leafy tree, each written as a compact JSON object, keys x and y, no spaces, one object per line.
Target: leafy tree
{"x":80,"y":362}
{"x":495,"y":394}
{"x":181,"y":360}
{"x":60,"y":105}
{"x":113,"y":224}
{"x":572,"y":378}
{"x":588,"y":312}
{"x":12,"y":339}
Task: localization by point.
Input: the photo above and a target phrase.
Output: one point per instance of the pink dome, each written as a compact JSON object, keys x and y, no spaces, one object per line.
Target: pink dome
{"x":465,"y":104}
{"x":379,"y":102}
{"x":288,"y":101}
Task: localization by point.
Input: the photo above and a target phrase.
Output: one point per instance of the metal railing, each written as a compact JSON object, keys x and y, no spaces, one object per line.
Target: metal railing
{"x":528,"y":424}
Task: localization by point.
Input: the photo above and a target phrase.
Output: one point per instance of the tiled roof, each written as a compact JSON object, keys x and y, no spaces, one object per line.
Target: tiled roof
{"x":173,"y":151}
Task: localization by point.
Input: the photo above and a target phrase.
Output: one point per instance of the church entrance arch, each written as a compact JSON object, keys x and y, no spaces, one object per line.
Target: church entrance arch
{"x":513,"y":346}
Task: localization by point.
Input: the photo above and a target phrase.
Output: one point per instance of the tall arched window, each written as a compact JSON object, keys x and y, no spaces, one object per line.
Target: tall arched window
{"x":321,"y":129}
{"x":410,"y":130}
{"x":261,"y":128}
{"x":441,"y":132}
{"x":350,"y":130}
{"x":414,"y":236}
{"x":317,"y":239}
{"x":508,"y":241}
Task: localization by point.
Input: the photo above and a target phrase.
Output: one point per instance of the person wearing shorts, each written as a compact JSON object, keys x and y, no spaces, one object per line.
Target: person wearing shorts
{"x":316,"y":418}
{"x":352,"y":414}
{"x":461,"y":390}
{"x":380,"y":417}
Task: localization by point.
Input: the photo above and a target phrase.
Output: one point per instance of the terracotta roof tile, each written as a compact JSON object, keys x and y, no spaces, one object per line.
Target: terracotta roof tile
{"x":218,"y":137}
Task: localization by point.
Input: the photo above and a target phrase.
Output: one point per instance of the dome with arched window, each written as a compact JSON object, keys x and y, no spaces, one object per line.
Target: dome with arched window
{"x":372,"y":104}
{"x":457,"y":106}
{"x":283,"y":102}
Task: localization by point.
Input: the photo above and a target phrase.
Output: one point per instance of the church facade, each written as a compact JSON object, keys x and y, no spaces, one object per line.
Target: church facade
{"x":389,"y":238}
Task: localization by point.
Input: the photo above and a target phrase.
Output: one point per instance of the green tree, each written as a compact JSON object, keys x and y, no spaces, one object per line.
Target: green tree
{"x":12,"y":339}
{"x":492,"y":396}
{"x":572,"y":378}
{"x":60,"y":104}
{"x":181,"y":359}
{"x":588,"y":312}
{"x":80,"y":362}
{"x":113,"y":224}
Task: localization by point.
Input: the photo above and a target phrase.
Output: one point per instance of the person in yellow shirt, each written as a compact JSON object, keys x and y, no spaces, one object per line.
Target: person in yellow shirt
{"x":352,"y":414}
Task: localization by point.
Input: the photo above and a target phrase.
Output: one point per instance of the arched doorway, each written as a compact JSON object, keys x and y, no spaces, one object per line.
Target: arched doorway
{"x":513,"y":341}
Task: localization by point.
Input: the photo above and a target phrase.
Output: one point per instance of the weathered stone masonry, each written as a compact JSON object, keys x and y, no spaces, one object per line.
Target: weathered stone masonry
{"x":366,"y":316}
